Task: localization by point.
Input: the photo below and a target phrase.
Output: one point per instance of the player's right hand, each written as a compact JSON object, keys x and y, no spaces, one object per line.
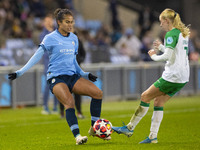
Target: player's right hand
{"x":12,"y":76}
{"x":151,"y":52}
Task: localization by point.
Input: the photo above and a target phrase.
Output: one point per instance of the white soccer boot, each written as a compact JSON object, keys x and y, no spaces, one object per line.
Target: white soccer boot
{"x":81,"y":139}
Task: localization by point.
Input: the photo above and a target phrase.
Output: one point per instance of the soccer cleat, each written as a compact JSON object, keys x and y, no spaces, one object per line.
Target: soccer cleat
{"x":92,"y":133}
{"x":123,"y":130}
{"x":148,"y":140}
{"x":81,"y":139}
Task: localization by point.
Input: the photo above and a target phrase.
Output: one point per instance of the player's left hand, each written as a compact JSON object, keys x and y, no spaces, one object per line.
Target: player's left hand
{"x":12,"y":76}
{"x":156,"y":44}
{"x":151,"y":52}
{"x":92,"y":77}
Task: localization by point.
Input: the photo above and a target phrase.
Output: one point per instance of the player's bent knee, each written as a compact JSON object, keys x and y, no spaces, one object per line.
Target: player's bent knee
{"x":69,"y":104}
{"x":144,"y":97}
{"x":98,"y":94}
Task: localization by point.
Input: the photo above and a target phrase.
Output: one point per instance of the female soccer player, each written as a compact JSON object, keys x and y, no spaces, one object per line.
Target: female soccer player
{"x":64,"y":75}
{"x":173,"y":79}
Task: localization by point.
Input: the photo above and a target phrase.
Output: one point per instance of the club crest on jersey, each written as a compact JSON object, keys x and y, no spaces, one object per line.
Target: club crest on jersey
{"x":73,"y":42}
{"x":169,"y":40}
{"x":53,"y":80}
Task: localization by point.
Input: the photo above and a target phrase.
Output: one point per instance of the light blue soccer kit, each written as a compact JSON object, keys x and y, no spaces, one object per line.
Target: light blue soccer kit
{"x":62,"y":51}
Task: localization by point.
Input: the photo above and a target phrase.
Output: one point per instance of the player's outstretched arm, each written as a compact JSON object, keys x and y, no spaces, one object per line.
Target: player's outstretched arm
{"x":90,"y":76}
{"x":164,"y":57}
{"x":33,"y":60}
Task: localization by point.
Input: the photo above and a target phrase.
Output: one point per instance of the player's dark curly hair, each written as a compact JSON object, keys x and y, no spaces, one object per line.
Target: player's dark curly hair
{"x":60,"y":13}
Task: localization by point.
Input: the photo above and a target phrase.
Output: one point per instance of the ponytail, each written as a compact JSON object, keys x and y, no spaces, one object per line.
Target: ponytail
{"x":181,"y":26}
{"x":56,"y":12}
{"x":176,"y":21}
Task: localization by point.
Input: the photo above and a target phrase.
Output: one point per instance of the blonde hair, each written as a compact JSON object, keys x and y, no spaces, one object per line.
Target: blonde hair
{"x":176,"y":21}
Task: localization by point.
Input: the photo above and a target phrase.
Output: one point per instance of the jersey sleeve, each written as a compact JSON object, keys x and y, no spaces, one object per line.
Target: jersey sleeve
{"x":164,"y":57}
{"x":79,"y":70}
{"x":171,"y":39}
{"x":33,"y":60}
{"x":46,"y":43}
{"x":76,"y":45}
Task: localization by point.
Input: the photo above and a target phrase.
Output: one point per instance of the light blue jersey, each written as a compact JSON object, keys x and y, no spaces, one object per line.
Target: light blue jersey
{"x":62,"y":51}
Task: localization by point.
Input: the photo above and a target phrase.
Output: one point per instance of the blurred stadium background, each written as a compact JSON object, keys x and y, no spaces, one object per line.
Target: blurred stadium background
{"x":124,"y":69}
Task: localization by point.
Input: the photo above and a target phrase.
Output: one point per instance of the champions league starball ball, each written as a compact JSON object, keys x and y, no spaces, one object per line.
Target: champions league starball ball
{"x":102,"y":128}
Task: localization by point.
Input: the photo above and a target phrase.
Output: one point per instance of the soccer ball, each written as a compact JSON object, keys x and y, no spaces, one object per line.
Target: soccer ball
{"x":102,"y":128}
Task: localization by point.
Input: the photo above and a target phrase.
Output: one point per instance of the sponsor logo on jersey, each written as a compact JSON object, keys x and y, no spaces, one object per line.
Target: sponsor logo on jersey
{"x":169,"y":40}
{"x":67,"y":51}
{"x":73,"y":42}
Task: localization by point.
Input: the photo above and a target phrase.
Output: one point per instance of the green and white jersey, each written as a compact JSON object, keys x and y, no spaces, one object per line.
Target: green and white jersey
{"x":177,"y":67}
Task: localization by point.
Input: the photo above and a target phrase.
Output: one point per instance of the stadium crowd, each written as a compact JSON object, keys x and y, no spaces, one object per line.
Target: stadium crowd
{"x":21,"y":25}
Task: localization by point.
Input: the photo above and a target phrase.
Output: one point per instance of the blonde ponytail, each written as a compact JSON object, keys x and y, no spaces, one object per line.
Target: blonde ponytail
{"x":181,"y":26}
{"x":176,"y":21}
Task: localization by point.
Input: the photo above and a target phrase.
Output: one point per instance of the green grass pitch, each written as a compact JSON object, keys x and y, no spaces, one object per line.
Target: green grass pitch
{"x":27,"y":129}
